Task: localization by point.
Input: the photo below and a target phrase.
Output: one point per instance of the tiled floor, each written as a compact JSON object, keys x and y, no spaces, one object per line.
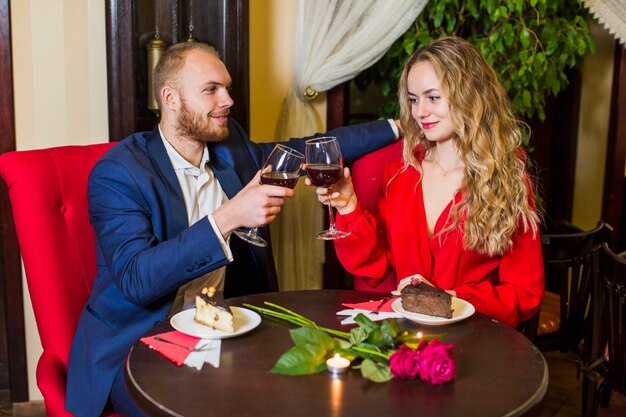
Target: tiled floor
{"x":561,"y":400}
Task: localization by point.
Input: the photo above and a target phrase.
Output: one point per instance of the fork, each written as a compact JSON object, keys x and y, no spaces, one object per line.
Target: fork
{"x":379,"y":306}
{"x":190,"y":349}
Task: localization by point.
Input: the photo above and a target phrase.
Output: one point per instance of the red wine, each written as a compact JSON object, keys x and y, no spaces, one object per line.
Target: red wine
{"x":324,"y":175}
{"x":282,"y":179}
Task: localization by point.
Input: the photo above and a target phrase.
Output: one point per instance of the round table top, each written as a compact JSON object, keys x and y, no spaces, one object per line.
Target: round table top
{"x":499,"y":371}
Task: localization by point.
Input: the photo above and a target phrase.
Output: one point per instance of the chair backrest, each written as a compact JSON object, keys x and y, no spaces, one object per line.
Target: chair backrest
{"x":367,"y":174}
{"x":567,"y":263}
{"x":48,"y":193}
{"x":612,"y":298}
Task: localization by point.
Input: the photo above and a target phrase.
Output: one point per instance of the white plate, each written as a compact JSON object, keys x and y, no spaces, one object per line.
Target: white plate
{"x":244,"y":320}
{"x":462,"y":310}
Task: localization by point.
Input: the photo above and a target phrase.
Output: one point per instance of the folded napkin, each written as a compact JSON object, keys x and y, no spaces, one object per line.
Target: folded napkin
{"x":208,"y":350}
{"x":385,"y":312}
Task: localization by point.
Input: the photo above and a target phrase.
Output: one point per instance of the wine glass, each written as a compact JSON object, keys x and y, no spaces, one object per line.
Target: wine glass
{"x":281,"y":168}
{"x":324,"y":167}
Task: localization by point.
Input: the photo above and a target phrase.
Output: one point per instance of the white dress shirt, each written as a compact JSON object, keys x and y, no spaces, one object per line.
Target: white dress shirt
{"x":202,"y":194}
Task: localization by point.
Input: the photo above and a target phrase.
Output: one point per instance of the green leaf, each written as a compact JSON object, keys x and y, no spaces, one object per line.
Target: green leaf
{"x":310,"y":335}
{"x":375,"y":371}
{"x":304,"y":359}
{"x":526,"y":98}
{"x":391,"y":327}
{"x":379,"y":338}
{"x":525,"y":37}
{"x":343,"y":344}
{"x":358,"y":335}
{"x":365,"y":323}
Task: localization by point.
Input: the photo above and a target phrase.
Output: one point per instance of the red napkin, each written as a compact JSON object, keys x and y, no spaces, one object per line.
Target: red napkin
{"x":371,"y":305}
{"x":176,"y":354}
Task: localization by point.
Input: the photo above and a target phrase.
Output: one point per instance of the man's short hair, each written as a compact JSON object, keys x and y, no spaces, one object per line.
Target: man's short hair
{"x":171,"y":63}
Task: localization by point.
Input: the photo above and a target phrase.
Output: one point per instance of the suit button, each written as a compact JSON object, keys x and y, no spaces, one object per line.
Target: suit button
{"x":208,"y":259}
{"x":190,"y":268}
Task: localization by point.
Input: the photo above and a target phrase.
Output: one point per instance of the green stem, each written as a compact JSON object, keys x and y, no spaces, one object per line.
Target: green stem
{"x":281,"y":316}
{"x":290,"y":312}
{"x":371,"y":352}
{"x":295,"y":318}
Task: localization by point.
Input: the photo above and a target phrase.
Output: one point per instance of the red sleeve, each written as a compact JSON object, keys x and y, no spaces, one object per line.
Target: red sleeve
{"x":365,"y":252}
{"x":519,"y":292}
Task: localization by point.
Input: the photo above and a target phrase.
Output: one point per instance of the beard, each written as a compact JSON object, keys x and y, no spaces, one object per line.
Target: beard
{"x":196,"y":127}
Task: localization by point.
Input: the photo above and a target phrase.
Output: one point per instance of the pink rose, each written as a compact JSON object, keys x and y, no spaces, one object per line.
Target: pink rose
{"x":437,"y":365}
{"x":432,"y":362}
{"x":405,"y":363}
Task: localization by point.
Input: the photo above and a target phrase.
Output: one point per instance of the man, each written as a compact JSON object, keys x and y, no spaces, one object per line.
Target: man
{"x":164,"y":205}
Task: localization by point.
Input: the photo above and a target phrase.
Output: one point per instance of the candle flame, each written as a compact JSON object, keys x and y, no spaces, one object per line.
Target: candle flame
{"x":419,"y":335}
{"x":337,"y":356}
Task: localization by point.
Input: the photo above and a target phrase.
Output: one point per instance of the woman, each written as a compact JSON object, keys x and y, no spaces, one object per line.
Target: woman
{"x":458,"y":210}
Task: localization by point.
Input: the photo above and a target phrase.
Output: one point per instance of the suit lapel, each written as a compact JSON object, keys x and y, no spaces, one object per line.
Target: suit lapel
{"x":225,"y":174}
{"x":176,"y":221}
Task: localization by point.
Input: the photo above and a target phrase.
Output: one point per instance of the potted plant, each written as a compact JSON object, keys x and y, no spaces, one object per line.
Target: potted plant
{"x":531,"y":44}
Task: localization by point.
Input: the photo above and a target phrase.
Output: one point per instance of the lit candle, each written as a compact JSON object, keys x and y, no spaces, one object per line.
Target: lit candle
{"x":337,"y":364}
{"x":419,"y":335}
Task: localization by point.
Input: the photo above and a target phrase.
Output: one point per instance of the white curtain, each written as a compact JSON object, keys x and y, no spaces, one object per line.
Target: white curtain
{"x":335,"y":40}
{"x":612,"y":14}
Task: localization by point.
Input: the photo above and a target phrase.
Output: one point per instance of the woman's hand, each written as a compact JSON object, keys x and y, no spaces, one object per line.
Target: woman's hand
{"x":416,"y":279}
{"x":342,"y":193}
{"x":410,"y":280}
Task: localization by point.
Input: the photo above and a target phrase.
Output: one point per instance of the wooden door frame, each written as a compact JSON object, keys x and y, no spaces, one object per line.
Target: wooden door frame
{"x":11,"y":265}
{"x":613,"y":195}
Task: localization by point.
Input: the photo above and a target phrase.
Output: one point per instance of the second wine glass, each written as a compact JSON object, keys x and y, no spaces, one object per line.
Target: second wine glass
{"x":324,"y":167}
{"x":281,"y":168}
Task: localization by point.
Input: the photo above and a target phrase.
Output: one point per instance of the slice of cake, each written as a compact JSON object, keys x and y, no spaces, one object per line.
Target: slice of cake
{"x":212,"y":310}
{"x":426,"y":299}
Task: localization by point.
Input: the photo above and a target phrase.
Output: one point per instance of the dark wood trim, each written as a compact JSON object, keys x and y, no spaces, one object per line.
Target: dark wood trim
{"x":120,"y":63}
{"x":337,"y":100}
{"x":564,"y":138}
{"x":231,"y":38}
{"x":11,"y":265}
{"x":613,"y":198}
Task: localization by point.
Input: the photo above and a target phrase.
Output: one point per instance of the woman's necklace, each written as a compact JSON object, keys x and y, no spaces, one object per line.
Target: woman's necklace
{"x":446,"y":171}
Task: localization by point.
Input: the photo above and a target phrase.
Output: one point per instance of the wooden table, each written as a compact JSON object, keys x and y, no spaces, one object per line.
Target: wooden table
{"x":499,"y":372}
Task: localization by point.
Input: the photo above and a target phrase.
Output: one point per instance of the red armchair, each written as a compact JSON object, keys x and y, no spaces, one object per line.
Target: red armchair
{"x":48,"y":193}
{"x":367,"y":173}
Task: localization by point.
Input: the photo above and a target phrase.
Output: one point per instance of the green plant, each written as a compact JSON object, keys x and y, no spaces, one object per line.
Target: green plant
{"x":532,"y":44}
{"x":370,"y":347}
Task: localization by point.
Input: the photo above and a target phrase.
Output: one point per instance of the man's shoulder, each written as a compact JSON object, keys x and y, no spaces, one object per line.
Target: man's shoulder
{"x":132,"y":147}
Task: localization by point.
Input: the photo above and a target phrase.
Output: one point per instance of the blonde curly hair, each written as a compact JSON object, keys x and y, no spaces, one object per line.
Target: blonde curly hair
{"x":497,"y":195}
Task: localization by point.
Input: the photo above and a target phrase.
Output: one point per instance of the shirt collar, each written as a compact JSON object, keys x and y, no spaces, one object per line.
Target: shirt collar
{"x":180,"y":163}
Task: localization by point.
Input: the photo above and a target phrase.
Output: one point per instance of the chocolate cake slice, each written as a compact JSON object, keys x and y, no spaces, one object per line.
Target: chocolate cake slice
{"x":426,"y":299}
{"x":212,"y":310}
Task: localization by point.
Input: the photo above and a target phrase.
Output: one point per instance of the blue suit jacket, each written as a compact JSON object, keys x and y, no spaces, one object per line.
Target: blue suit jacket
{"x":145,"y":249}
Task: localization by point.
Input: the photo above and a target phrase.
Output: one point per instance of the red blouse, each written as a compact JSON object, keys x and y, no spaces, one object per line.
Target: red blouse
{"x":508,"y":288}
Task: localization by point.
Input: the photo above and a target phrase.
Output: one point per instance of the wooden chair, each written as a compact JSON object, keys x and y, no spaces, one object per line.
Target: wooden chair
{"x":564,"y":318}
{"x":48,"y":193}
{"x":605,"y":372}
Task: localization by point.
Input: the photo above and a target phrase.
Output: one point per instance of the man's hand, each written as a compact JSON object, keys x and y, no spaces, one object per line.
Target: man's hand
{"x":342,"y":196}
{"x":256,"y":205}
